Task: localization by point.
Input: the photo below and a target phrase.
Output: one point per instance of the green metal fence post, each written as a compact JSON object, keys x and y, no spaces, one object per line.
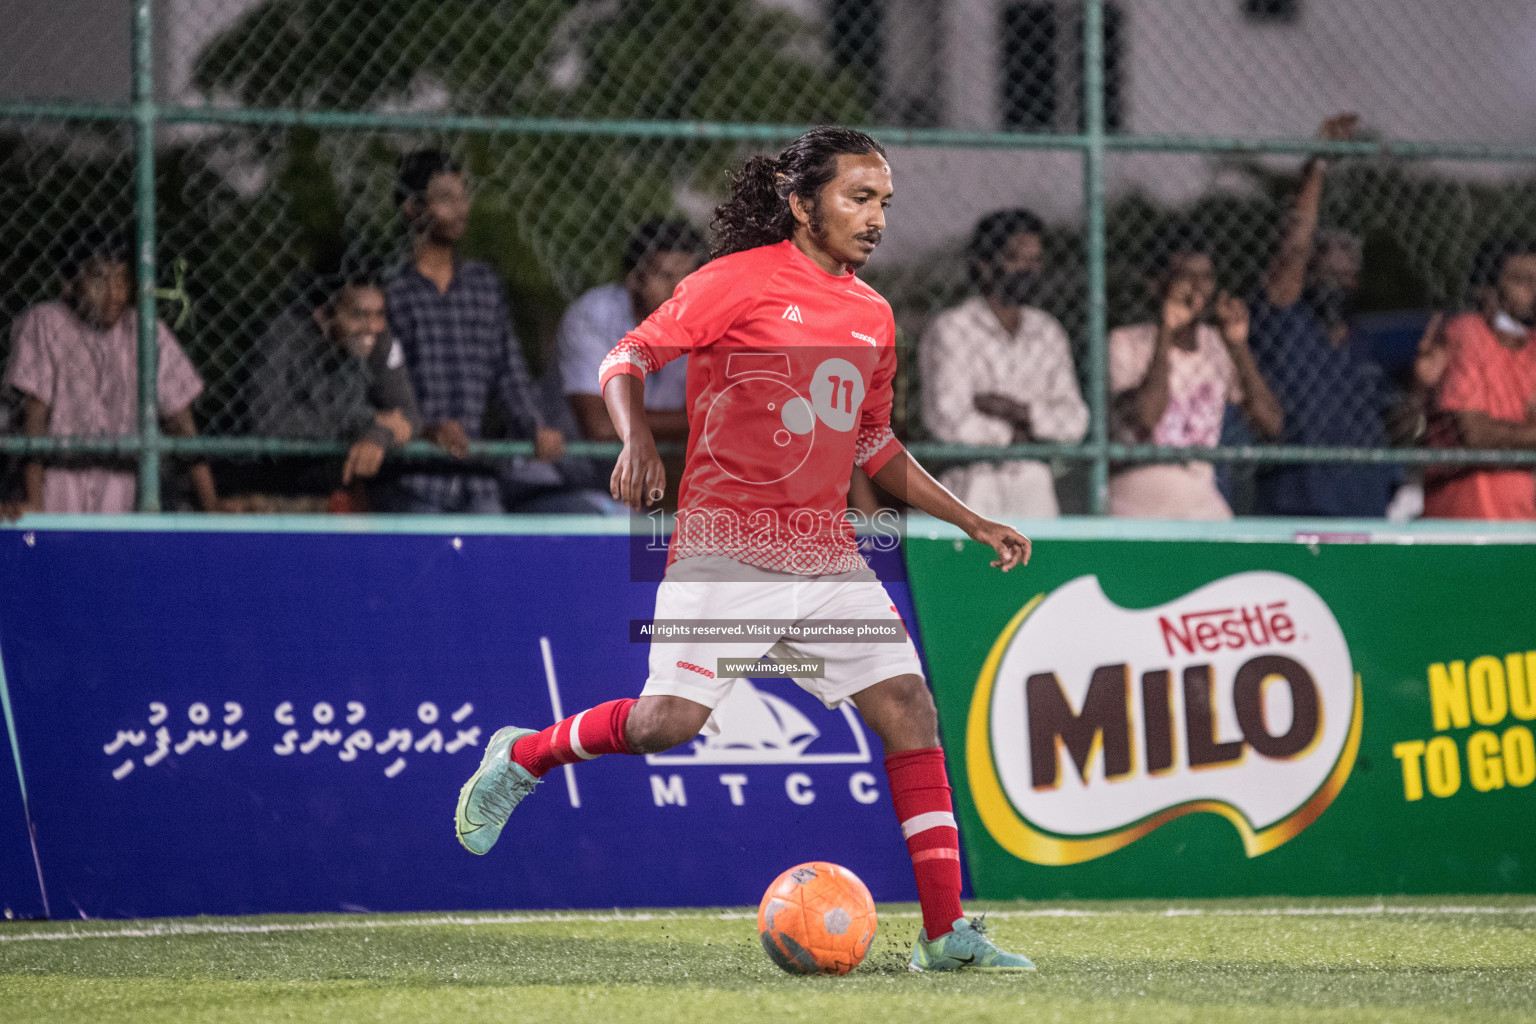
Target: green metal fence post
{"x":144,"y":210}
{"x":1093,"y":229}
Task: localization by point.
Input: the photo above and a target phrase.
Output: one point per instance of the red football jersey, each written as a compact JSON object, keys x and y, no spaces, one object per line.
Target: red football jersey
{"x":789,"y":387}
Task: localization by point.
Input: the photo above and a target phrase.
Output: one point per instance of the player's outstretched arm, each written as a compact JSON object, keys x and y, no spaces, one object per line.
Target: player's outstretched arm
{"x":902,"y":477}
{"x":639,"y":479}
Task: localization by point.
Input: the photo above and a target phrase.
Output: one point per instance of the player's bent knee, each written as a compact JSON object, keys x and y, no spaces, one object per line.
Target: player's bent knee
{"x":661,"y":723}
{"x":918,"y":708}
{"x":915,"y":692}
{"x":660,"y":737}
{"x":902,"y":712}
{"x":912,"y":696}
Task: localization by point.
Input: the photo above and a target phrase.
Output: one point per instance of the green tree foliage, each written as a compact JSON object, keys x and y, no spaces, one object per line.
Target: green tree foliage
{"x":550,"y":210}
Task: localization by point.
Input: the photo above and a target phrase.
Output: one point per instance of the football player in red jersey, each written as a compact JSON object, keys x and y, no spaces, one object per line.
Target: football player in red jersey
{"x":791,"y":360}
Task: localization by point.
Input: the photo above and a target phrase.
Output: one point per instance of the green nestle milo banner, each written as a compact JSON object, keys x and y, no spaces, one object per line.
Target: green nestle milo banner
{"x":1133,"y":718}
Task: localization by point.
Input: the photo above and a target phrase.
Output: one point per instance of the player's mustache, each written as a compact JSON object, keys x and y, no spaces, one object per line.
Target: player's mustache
{"x":872,"y":236}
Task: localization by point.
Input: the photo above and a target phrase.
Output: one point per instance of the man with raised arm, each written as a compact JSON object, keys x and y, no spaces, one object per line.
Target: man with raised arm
{"x":1332,"y":391}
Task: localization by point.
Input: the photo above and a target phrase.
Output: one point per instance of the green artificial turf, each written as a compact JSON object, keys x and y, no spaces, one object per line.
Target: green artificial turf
{"x":1247,"y":961}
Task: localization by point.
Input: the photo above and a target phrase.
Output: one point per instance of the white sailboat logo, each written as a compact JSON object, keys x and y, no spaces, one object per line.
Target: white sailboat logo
{"x":751,"y":726}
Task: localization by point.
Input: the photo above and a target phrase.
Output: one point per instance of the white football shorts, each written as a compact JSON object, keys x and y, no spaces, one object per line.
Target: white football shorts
{"x":715,"y":588}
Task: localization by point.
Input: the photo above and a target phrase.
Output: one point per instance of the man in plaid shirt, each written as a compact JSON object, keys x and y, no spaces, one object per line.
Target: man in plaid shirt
{"x":452,"y":320}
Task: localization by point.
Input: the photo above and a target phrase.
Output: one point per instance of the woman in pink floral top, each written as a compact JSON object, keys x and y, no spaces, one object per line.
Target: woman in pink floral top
{"x":1171,"y":383}
{"x":76,"y":363}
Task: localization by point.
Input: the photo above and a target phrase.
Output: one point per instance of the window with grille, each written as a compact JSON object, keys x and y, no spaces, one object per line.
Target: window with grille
{"x":1030,"y":62}
{"x":1042,"y":67}
{"x":1272,"y":10}
{"x":856,"y":29}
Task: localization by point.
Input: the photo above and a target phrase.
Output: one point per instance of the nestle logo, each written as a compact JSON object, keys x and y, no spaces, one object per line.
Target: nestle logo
{"x":691,"y":667}
{"x":1230,"y":628}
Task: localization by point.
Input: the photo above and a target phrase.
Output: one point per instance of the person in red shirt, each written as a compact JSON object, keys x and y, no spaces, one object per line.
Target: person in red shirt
{"x":1489,"y":392}
{"x":790,"y":363}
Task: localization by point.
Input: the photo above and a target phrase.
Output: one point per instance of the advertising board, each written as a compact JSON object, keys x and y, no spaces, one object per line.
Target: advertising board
{"x":243,"y":722}
{"x":1137,"y":718}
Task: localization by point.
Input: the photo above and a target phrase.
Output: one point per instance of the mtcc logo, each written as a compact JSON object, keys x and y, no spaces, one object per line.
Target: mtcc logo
{"x":754,"y":726}
{"x":1092,"y":725}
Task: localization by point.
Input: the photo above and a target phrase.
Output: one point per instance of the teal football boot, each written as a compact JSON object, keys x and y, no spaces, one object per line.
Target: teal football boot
{"x":489,"y":797}
{"x":967,"y":948}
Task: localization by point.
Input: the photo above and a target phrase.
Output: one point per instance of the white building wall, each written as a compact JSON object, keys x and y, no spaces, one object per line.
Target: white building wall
{"x":1415,"y":69}
{"x":1442,"y":70}
{"x":969,"y":49}
{"x":65,"y":51}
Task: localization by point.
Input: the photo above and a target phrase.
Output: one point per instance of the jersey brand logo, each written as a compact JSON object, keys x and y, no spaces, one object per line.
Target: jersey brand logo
{"x":792,"y":312}
{"x":864,"y":337}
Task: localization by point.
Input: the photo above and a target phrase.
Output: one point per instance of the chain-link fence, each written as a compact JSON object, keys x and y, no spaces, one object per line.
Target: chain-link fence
{"x":251,"y":145}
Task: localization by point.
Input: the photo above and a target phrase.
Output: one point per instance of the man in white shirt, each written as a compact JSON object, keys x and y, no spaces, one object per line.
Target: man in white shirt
{"x":996,"y":370}
{"x":657,"y":255}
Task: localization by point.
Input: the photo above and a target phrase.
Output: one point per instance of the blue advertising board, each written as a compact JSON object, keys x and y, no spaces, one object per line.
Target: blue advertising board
{"x":21,"y":895}
{"x":240,"y":722}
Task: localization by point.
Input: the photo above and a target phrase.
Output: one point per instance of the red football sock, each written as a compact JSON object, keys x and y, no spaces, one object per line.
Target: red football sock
{"x":920,"y":791}
{"x":582,"y":737}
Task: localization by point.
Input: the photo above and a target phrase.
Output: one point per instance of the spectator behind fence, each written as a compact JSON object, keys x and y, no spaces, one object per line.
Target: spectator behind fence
{"x":76,"y":364}
{"x":453,"y":322}
{"x":657,"y":255}
{"x":1331,"y":389}
{"x":331,"y":371}
{"x":997,"y":370}
{"x":1488,"y":391}
{"x":1171,"y":382}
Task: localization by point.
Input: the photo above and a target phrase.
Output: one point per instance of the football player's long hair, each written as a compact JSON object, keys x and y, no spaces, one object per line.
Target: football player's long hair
{"x":757,"y":212}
